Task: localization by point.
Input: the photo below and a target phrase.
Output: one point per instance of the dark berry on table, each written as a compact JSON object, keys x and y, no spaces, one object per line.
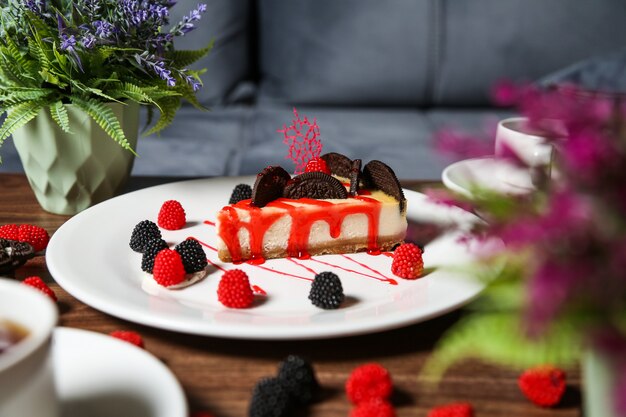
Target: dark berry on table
{"x":143,"y":232}
{"x":270,"y":399}
{"x":194,"y":258}
{"x":240,"y":192}
{"x":326,"y":291}
{"x":298,"y":377}
{"x":152,"y":248}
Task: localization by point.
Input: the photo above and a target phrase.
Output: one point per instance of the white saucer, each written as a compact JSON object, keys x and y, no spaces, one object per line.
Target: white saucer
{"x":100,"y":376}
{"x":486,"y":173}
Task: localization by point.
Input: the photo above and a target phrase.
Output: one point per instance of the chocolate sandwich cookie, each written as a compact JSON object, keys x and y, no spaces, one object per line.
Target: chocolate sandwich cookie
{"x":316,"y":185}
{"x":269,"y":185}
{"x":355,"y":177}
{"x":380,"y":176}
{"x":339,"y":165}
{"x":14,"y":254}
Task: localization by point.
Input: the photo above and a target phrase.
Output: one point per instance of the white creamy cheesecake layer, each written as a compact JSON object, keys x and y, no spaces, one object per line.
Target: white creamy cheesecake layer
{"x":354,"y":226}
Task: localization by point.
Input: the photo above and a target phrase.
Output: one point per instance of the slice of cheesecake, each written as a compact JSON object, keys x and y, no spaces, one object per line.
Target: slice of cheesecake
{"x":289,"y":217}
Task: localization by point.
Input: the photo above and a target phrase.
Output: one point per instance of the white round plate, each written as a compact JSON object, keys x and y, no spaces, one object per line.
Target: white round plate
{"x":89,"y":257}
{"x":486,"y":173}
{"x":100,"y":376}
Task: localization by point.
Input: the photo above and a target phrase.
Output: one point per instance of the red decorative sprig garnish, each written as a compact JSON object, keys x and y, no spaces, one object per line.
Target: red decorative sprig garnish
{"x":303,"y":139}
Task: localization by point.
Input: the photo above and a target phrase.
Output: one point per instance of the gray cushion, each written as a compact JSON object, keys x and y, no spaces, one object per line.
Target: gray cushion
{"x":487,"y":40}
{"x":604,"y":73}
{"x":398,"y":137}
{"x":196,"y":144}
{"x":343,"y":52}
{"x":228,"y":22}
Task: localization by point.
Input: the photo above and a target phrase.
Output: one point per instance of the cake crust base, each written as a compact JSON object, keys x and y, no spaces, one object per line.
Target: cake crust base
{"x":330,"y":248}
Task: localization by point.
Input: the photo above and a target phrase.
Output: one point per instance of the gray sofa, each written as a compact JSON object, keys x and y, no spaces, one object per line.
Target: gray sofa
{"x":380,"y":76}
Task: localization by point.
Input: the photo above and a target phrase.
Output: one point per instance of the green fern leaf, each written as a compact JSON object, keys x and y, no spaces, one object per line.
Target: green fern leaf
{"x":169,"y":106}
{"x":105,"y":117}
{"x":29,"y":66}
{"x":59,"y":115}
{"x":133,"y":92}
{"x":15,"y":96}
{"x":18,"y":116}
{"x":182,"y":59}
{"x":13,"y":72}
{"x":38,"y":55}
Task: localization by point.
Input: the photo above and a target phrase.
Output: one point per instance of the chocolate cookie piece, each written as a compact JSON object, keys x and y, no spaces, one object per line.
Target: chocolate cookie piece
{"x":316,"y":185}
{"x":16,"y":252}
{"x":338,"y":164}
{"x":269,"y":185}
{"x":380,"y":176}
{"x":6,"y":263}
{"x":355,"y":177}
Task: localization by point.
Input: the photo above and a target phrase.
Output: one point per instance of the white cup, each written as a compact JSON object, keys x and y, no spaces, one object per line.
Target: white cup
{"x":26,"y":375}
{"x":530,"y":146}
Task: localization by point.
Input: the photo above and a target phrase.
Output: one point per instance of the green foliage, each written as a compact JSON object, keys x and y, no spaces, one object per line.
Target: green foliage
{"x":105,"y":117}
{"x":37,"y":73}
{"x":499,"y":337}
{"x":493,"y":328}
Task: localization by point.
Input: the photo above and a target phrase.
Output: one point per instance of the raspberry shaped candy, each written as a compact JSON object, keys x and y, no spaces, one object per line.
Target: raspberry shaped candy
{"x":143,"y":232}
{"x":128,"y":336}
{"x":172,"y":216}
{"x":369,"y":381}
{"x":35,"y":236}
{"x":543,"y":385}
{"x":317,"y":165}
{"x":326,"y":291}
{"x":373,"y":408}
{"x":37,"y":282}
{"x":270,"y":399}
{"x":234,"y":289}
{"x":452,"y":410}
{"x":150,"y":251}
{"x":194,"y":258}
{"x":407,"y":261}
{"x":240,"y":192}
{"x":168,"y":268}
{"x":297,"y":376}
{"x":9,"y":231}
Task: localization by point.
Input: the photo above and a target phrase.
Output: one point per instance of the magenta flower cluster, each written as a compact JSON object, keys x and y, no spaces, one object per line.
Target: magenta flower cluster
{"x":573,"y":230}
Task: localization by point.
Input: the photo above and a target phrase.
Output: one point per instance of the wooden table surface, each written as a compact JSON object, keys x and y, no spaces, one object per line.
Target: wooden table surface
{"x":218,"y":375}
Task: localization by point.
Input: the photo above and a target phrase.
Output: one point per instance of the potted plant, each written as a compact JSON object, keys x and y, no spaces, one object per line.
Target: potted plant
{"x":557,"y":290}
{"x":72,"y":77}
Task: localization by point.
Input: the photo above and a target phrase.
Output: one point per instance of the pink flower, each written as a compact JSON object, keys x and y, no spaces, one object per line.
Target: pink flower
{"x":462,"y":146}
{"x":506,"y":93}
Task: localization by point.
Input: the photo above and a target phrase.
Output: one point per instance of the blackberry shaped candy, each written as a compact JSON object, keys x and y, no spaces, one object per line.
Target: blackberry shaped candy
{"x":240,"y":192}
{"x":192,"y":254}
{"x":297,"y":376}
{"x":143,"y":232}
{"x":270,"y":399}
{"x":151,"y":249}
{"x":326,"y":291}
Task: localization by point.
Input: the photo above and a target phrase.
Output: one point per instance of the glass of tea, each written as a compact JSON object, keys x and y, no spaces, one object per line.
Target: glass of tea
{"x":27,"y":319}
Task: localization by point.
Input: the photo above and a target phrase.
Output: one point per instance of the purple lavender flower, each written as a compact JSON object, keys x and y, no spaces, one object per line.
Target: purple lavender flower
{"x":103,"y":29}
{"x":88,"y":41}
{"x":35,"y":6}
{"x":195,"y":84}
{"x":185,"y":26}
{"x":68,"y":43}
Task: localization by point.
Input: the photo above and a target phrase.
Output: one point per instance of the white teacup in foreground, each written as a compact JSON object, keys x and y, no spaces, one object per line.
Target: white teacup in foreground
{"x":530,"y":146}
{"x":27,"y":319}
